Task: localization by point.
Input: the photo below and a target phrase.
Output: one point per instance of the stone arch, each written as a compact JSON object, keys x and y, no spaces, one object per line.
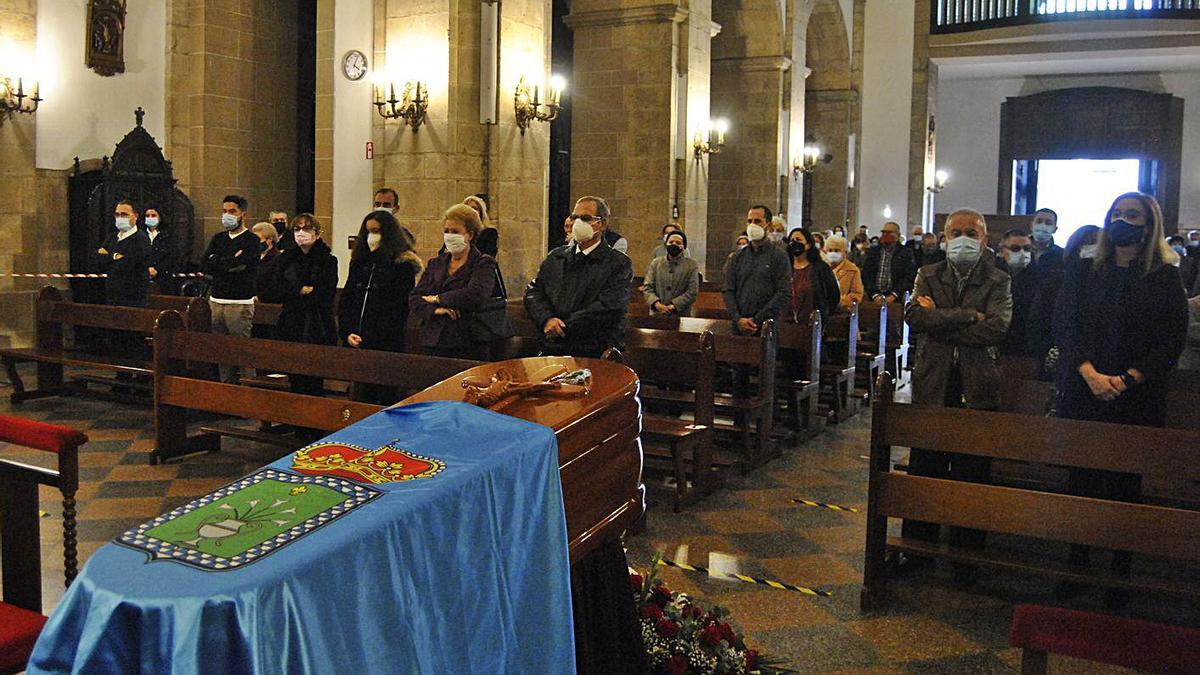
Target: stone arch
{"x":830,"y":109}
{"x":749,"y":63}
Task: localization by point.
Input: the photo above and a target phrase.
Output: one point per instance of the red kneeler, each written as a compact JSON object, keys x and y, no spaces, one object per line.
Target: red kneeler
{"x":1132,"y":643}
{"x":20,"y":551}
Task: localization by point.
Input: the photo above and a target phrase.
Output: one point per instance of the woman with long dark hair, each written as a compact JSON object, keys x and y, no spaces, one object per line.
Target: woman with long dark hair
{"x":373,"y":308}
{"x":814,"y":285}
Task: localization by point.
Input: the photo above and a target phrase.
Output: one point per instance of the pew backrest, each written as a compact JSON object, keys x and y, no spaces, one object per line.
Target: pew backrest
{"x":675,"y":359}
{"x":804,"y":338}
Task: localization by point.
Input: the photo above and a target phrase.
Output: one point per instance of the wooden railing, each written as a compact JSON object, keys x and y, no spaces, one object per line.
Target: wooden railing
{"x":956,"y":16}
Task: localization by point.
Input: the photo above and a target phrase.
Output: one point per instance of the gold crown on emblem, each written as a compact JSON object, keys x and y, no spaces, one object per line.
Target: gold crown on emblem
{"x":370,"y":465}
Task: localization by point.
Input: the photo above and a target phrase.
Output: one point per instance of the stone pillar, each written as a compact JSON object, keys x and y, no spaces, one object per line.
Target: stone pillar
{"x":453,"y":154}
{"x":692,"y":196}
{"x":922,"y":156}
{"x":796,"y":42}
{"x":626,"y":123}
{"x":748,"y":91}
{"x":323,"y":128}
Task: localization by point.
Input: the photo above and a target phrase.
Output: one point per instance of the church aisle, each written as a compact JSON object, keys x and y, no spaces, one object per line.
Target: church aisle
{"x":751,"y":527}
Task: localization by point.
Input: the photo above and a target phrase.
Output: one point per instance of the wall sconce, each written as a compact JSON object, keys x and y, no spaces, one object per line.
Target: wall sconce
{"x":409,"y":108}
{"x":15,"y":100}
{"x":939,"y":181}
{"x":808,"y":161}
{"x":529,"y":107}
{"x":712,"y":140}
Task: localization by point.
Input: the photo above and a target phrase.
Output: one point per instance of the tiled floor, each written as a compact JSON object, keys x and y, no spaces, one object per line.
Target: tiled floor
{"x":751,"y":527}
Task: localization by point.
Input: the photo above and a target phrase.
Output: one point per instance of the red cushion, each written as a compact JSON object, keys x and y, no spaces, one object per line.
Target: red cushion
{"x":19,"y":629}
{"x":1118,"y":641}
{"x":39,"y":435}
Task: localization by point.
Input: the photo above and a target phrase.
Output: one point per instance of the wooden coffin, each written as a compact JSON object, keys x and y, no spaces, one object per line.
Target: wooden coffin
{"x":600,"y":455}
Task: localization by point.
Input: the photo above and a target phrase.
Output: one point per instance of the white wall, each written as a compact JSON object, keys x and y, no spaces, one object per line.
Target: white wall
{"x":85,"y":114}
{"x":968,"y":116}
{"x":968,"y":140}
{"x":353,"y":176}
{"x":887,"y":111}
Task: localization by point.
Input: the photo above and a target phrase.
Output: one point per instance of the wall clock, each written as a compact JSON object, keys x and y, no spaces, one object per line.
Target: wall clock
{"x":354,"y":65}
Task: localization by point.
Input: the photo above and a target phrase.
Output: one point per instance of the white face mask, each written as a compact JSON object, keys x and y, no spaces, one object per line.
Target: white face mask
{"x":582,"y":232}
{"x":304,"y":238}
{"x":383,"y":209}
{"x":963,"y":251}
{"x":124,"y":224}
{"x":1043,"y":233}
{"x":229,"y":221}
{"x":834,"y":257}
{"x":755,"y":232}
{"x":455,"y":243}
{"x":151,"y":222}
{"x":775,"y":237}
{"x":373,"y":239}
{"x":1087,"y":251}
{"x":1019,"y":260}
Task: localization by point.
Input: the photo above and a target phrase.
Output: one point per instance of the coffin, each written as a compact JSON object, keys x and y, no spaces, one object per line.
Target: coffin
{"x":599,"y":452}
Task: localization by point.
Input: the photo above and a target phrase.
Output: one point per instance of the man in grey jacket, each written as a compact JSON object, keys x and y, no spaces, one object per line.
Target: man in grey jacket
{"x":758,"y":278}
{"x":960,"y":313}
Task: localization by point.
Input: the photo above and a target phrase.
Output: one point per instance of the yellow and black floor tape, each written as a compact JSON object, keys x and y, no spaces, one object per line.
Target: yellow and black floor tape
{"x":823,"y":505}
{"x":745,"y":578}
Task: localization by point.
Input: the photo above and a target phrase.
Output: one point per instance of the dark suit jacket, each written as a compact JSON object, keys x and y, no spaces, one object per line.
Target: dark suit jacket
{"x":127,"y":266}
{"x":590,"y":295}
{"x":904,"y":271}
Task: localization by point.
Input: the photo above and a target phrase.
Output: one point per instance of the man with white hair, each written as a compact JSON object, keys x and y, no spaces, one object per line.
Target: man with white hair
{"x":960,"y":314}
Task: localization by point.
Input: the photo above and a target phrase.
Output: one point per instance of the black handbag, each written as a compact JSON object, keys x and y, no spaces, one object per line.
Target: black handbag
{"x":489,"y":321}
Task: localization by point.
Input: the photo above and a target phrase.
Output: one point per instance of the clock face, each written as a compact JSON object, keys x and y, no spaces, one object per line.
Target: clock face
{"x":354,"y":65}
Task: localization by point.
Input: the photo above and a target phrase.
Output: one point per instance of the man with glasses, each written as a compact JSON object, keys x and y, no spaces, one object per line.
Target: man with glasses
{"x":581,"y":292}
{"x":1016,"y":258}
{"x":231,"y":260}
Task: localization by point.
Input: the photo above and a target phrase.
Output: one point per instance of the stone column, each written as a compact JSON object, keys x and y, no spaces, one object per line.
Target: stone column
{"x":453,"y":154}
{"x":626,"y":144}
{"x":922,"y":156}
{"x":749,"y":92}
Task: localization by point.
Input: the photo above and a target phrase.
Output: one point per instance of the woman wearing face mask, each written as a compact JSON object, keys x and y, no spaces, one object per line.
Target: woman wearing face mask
{"x":163,"y":264}
{"x":813,"y":283}
{"x":373,"y":307}
{"x":672,"y":280}
{"x":1120,"y":325}
{"x":304,"y":279}
{"x":460,"y":298}
{"x":858,"y":250}
{"x":849,"y":277}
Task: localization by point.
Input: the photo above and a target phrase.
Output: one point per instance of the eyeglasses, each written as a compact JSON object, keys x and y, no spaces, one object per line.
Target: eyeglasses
{"x":304,"y":228}
{"x":585,"y":218}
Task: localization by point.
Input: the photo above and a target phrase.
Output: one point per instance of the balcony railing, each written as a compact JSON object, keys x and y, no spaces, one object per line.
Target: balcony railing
{"x":956,"y":16}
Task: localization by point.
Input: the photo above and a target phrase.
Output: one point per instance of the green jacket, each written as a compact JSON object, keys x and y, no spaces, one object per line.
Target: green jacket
{"x":952,"y":333}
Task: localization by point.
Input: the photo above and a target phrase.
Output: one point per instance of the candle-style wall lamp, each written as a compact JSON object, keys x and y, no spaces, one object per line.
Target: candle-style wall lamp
{"x":14,"y":99}
{"x":410,"y":107}
{"x":712,"y":140}
{"x":529,"y":106}
{"x":939,"y":181}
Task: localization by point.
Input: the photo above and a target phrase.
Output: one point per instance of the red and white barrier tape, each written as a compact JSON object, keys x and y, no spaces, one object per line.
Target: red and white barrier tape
{"x":46,"y":275}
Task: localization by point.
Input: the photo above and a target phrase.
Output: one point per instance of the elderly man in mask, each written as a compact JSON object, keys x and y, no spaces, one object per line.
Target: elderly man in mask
{"x":889,"y":268}
{"x":960,"y":314}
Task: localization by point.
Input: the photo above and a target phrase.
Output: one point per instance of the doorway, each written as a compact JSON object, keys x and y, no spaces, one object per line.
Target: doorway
{"x":1078,"y":190}
{"x":562,"y":59}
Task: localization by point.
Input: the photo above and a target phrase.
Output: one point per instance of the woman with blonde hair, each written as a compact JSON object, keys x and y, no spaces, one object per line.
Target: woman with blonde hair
{"x":488,"y":241}
{"x":461,"y":299}
{"x":848,"y":275}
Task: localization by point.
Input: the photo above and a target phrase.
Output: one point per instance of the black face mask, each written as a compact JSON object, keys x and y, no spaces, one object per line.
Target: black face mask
{"x":279,"y":226}
{"x":263,"y":246}
{"x":796,"y":248}
{"x":1124,"y":233}
{"x":674,"y":250}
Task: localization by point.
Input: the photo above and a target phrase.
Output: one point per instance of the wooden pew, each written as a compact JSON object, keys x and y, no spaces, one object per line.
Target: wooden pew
{"x":50,"y":353}
{"x":754,"y":412}
{"x":681,"y":363}
{"x":177,"y":389}
{"x":898,"y":363}
{"x":872,"y":345}
{"x":801,"y":343}
{"x":840,"y":351}
{"x":1138,"y":528}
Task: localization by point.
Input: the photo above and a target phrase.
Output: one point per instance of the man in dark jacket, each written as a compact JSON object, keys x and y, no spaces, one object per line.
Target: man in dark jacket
{"x":581,"y":292}
{"x":125,"y":258}
{"x":961,"y":311}
{"x":889,"y":269}
{"x":1016,"y":258}
{"x":231,"y":259}
{"x":758,"y":278}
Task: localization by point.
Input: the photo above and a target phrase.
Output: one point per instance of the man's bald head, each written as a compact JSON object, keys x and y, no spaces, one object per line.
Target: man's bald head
{"x":966,"y":222}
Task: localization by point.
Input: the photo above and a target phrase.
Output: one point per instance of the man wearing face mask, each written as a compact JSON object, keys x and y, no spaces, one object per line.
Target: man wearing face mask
{"x":889,"y":268}
{"x":283,"y":234}
{"x":913,"y":244}
{"x":125,"y":258}
{"x":386,"y":199}
{"x":672,"y":280}
{"x":231,"y":260}
{"x":960,"y":314}
{"x":581,"y":292}
{"x":1016,"y":257}
{"x":758,"y":280}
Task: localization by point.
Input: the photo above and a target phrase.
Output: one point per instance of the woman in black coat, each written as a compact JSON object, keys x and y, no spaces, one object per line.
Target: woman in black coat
{"x":455,"y":291}
{"x":1120,"y":325}
{"x":163,"y":260}
{"x":304,"y":280}
{"x":373,"y":307}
